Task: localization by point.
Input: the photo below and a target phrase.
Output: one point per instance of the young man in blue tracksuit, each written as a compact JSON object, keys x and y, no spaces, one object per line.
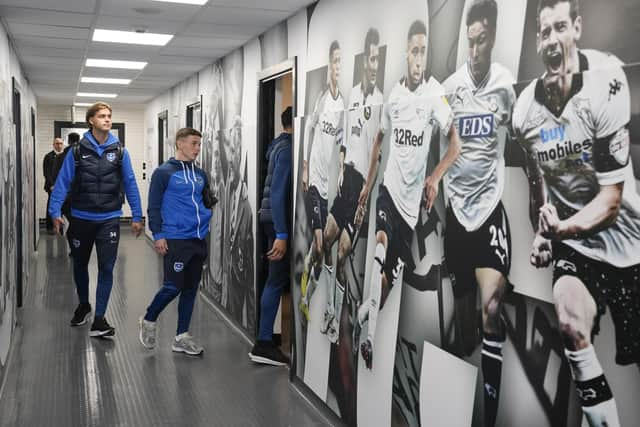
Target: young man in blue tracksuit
{"x":95,"y":173}
{"x":275,"y":213}
{"x":179,"y":222}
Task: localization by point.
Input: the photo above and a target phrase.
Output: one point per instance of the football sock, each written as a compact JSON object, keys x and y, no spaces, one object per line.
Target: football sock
{"x":331,"y":292}
{"x":375,"y":290}
{"x":594,"y":393}
{"x":339,"y":296}
{"x":491,"y":373}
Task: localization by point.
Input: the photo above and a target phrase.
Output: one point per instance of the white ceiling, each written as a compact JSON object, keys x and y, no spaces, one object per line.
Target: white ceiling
{"x":53,"y":38}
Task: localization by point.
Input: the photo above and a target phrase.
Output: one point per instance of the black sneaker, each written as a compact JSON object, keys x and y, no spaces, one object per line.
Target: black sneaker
{"x":266,"y":352}
{"x":101,"y":328}
{"x":81,"y":315}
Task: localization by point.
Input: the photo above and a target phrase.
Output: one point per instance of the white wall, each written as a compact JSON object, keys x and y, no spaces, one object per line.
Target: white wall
{"x":133,"y":119}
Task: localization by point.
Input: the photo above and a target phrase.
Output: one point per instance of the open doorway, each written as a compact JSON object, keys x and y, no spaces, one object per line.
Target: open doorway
{"x":276,"y":92}
{"x":17,"y":121}
{"x":163,"y":133}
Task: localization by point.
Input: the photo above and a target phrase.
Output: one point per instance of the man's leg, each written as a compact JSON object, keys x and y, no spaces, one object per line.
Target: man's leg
{"x":49,"y":221}
{"x":492,"y":288}
{"x":265,"y":351}
{"x":369,"y":309}
{"x":107,"y":240}
{"x":576,"y":310}
{"x":277,"y":278}
{"x":312,"y":269}
{"x":340,"y":285}
{"x":331,"y":231}
{"x":82,"y":236}
{"x":184,"y":342}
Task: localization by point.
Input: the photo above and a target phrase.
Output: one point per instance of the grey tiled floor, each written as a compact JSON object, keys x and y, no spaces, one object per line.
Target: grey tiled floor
{"x":61,"y":377}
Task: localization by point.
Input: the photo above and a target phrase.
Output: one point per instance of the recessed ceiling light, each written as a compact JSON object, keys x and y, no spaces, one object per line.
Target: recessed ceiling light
{"x":105,"y":80}
{"x":131,"y":37}
{"x":198,"y":2}
{"x":108,"y":63}
{"x":97,"y":95}
{"x":82,"y":104}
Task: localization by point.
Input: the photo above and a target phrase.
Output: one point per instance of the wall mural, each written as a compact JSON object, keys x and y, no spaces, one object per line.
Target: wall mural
{"x":416,"y":297}
{"x":9,"y":198}
{"x":414,"y":316}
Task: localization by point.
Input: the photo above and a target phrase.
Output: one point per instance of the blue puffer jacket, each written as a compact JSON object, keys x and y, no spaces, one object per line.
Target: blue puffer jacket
{"x":176,"y":209}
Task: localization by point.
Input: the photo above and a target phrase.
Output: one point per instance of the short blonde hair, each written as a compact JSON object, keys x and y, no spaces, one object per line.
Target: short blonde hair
{"x":91,"y":111}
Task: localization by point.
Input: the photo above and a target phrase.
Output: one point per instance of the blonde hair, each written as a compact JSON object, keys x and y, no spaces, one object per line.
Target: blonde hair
{"x":91,"y":111}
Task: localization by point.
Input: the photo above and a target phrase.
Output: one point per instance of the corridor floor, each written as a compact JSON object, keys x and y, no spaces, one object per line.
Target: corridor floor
{"x":60,"y":377}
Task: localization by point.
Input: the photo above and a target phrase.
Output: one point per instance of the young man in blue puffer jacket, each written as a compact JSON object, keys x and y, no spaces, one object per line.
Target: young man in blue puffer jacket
{"x":179,"y":222}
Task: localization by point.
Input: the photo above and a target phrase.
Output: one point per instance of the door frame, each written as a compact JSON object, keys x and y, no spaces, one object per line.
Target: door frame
{"x":267,"y":75}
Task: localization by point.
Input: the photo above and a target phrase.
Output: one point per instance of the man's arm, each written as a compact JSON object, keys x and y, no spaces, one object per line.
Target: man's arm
{"x":537,"y":189}
{"x":432,"y":181}
{"x":280,"y":188}
{"x":600,"y":213}
{"x":46,"y":173}
{"x":62,"y":185}
{"x":159,"y":181}
{"x":131,"y":188}
{"x":374,"y":160}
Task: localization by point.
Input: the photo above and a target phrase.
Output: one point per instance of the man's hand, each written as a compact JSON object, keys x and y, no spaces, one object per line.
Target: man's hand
{"x":359,"y":217}
{"x":58,"y":225}
{"x":550,"y":225}
{"x":540,"y":252}
{"x":161,"y":246}
{"x":136,"y":228}
{"x":430,"y":191}
{"x":364,"y":195}
{"x":278,"y":250}
{"x":305,"y":177}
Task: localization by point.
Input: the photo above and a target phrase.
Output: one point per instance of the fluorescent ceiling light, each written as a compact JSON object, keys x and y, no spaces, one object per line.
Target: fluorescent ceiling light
{"x":131,"y":37}
{"x":97,"y":95}
{"x":198,"y":2}
{"x":105,"y":80}
{"x":108,"y":63}
{"x":82,"y":104}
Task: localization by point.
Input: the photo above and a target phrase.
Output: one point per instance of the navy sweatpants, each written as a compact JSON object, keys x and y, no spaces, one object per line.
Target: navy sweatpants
{"x":105,"y":235}
{"x":277,"y":278}
{"x":182,"y":272}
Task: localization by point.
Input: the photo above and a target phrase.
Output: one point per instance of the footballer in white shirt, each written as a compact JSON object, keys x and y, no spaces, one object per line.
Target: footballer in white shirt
{"x":573,"y":126}
{"x":416,"y":106}
{"x":323,"y":130}
{"x":345,"y":219}
{"x":481,"y":96}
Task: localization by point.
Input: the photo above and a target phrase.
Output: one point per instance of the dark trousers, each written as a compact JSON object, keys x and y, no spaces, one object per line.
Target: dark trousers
{"x":182,"y":272}
{"x":105,"y":235}
{"x":277,"y":278}
{"x":49,"y":221}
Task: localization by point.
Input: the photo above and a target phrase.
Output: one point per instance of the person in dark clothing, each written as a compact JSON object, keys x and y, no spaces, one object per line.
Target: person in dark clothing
{"x":179,"y":221}
{"x":72,"y":139}
{"x":50,"y":168}
{"x":274,"y":215}
{"x":98,"y":173}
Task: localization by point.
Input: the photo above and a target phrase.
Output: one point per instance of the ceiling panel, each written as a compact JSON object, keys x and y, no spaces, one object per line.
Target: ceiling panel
{"x":208,"y":42}
{"x":149,"y":10}
{"x":205,"y":52}
{"x":52,"y":40}
{"x":242,"y":32}
{"x":240,"y":16}
{"x":49,"y":31}
{"x":45,"y":17}
{"x":49,"y":42}
{"x":84,"y":6}
{"x":284,"y":5}
{"x":52,"y":52}
{"x":120,"y":51}
{"x":131,"y":23}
